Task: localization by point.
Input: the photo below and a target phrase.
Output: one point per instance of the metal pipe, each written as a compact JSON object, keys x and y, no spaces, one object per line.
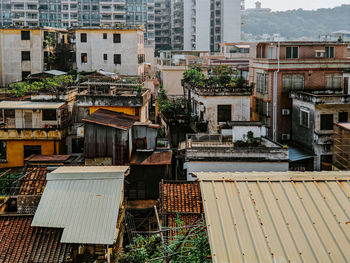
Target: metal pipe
{"x":274,"y":97}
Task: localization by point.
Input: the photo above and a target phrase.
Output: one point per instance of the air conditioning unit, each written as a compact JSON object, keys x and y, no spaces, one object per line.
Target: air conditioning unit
{"x":285,"y":112}
{"x":285,"y":137}
{"x":320,"y":53}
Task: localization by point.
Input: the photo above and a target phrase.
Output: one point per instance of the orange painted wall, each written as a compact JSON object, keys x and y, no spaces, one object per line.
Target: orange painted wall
{"x":15,"y":151}
{"x":126,"y":110}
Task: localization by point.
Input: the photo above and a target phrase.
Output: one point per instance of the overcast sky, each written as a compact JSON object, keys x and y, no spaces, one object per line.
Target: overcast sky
{"x":296,"y":4}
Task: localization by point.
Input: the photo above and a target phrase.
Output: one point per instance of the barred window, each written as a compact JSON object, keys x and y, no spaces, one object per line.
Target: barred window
{"x":293,"y":82}
{"x":261,"y":83}
{"x":333,"y":81}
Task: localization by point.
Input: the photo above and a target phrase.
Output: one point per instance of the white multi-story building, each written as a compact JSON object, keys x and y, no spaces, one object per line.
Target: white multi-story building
{"x":202,"y":25}
{"x":25,"y":51}
{"x":122,"y":52}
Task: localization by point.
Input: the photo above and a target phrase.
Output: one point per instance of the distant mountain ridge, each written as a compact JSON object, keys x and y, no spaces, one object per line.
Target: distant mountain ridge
{"x":295,"y":24}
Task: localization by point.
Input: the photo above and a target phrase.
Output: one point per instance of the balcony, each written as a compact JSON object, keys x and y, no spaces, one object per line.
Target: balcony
{"x":32,"y":134}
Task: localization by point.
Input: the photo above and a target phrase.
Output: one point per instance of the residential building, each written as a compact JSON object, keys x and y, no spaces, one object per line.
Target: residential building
{"x":313,"y":116}
{"x":162,"y":24}
{"x":217,"y":105}
{"x":26,"y":51}
{"x":203,"y":25}
{"x":243,"y":148}
{"x":281,"y":67}
{"x":31,"y":127}
{"x":122,"y":52}
{"x":341,"y":146}
{"x":260,"y":217}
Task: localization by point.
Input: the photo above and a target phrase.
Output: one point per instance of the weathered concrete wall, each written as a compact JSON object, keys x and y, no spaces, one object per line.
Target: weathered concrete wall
{"x":130,"y":47}
{"x":240,"y":108}
{"x":107,"y":100}
{"x":171,"y":77}
{"x":11,"y":54}
{"x":234,"y":167}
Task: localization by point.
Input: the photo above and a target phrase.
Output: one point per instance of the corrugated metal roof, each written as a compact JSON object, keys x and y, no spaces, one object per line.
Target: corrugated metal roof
{"x":277,"y":217}
{"x":112,"y":119}
{"x":84,"y":202}
{"x":30,"y":105}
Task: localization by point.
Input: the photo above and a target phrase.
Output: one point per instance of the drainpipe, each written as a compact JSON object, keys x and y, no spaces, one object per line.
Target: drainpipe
{"x":274,"y":98}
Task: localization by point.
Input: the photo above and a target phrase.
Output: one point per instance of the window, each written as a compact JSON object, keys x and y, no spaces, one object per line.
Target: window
{"x":104,"y":35}
{"x":31,"y":149}
{"x":224,"y":113}
{"x":105,"y":57}
{"x":326,"y":121}
{"x":292,"y":52}
{"x":25,"y":35}
{"x":117,"y":59}
{"x":304,"y":118}
{"x":3,"y":151}
{"x":343,"y":117}
{"x":25,"y":74}
{"x":49,"y":115}
{"x":83,"y":57}
{"x":25,"y":55}
{"x":333,"y":81}
{"x":261,"y":83}
{"x":77,"y":145}
{"x":83,"y":38}
{"x":329,"y":52}
{"x":293,"y":82}
{"x":116,"y":38}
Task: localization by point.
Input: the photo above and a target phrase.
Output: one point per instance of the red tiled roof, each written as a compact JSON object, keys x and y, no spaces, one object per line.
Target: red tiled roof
{"x":19,"y":242}
{"x":112,"y":119}
{"x":181,"y":197}
{"x":153,"y":158}
{"x":34,"y":181}
{"x":181,"y":203}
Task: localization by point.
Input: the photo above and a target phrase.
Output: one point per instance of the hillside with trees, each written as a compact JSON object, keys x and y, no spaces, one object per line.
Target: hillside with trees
{"x":296,"y":24}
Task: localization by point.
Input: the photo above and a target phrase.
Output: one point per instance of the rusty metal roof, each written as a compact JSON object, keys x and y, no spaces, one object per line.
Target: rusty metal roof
{"x":84,"y":201}
{"x":151,"y":158}
{"x":47,"y":158}
{"x":19,"y":242}
{"x":112,"y":119}
{"x":277,"y":217}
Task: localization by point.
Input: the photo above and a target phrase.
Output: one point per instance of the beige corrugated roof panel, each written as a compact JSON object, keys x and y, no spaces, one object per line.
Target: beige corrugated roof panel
{"x":277,"y":217}
{"x":27,"y":104}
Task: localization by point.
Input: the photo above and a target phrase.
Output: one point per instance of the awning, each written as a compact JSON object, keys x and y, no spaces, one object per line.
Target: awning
{"x":298,"y":154}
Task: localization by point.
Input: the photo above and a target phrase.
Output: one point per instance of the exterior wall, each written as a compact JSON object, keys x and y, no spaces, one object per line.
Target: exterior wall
{"x":171,"y":78}
{"x":130,"y":47}
{"x":231,"y":21}
{"x":202,"y":26}
{"x":240,"y":108}
{"x":187,"y":25}
{"x":126,"y":110}
{"x":15,"y":151}
{"x":37,"y":120}
{"x":193,"y":167}
{"x":341,"y":147}
{"x":313,"y":69}
{"x":11,"y":47}
{"x":150,"y":134}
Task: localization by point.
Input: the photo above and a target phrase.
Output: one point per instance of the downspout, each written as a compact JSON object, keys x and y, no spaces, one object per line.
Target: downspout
{"x":274,"y":98}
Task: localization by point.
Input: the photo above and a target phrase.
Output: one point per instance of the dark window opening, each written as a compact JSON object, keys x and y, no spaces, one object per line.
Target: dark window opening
{"x":3,"y":151}
{"x":83,"y":38}
{"x":25,"y":35}
{"x":104,"y":35}
{"x":224,"y":113}
{"x":117,"y":59}
{"x":25,"y":74}
{"x":292,"y":52}
{"x":49,"y":115}
{"x":116,"y":38}
{"x":83,"y":57}
{"x":326,"y":121}
{"x":105,"y":57}
{"x":77,"y":145}
{"x":343,"y":117}
{"x":329,"y":52}
{"x":25,"y":55}
{"x":31,"y":149}
{"x":304,"y":119}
